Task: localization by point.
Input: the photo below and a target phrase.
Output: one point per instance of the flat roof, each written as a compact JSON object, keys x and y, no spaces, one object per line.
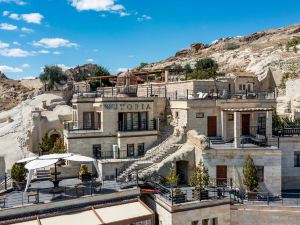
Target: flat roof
{"x":82,"y":218}
{"x":123,"y":212}
{"x":98,"y":216}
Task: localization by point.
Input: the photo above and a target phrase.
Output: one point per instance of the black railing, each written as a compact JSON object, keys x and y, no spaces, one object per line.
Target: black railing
{"x":124,"y":154}
{"x":76,"y":126}
{"x":288,"y":131}
{"x":139,"y":126}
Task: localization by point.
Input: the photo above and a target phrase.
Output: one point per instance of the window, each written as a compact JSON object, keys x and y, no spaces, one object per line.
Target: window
{"x":244,"y":87}
{"x":97,"y":151}
{"x":230,"y":117}
{"x":176,"y":114}
{"x":141,"y":149}
{"x":260,"y":173}
{"x":205,"y":222}
{"x":214,"y":221}
{"x":133,"y":121}
{"x":130,"y":150}
{"x":99,"y":120}
{"x":88,"y":120}
{"x":296,"y":159}
{"x":240,"y":87}
{"x":261,"y":122}
{"x":196,"y":222}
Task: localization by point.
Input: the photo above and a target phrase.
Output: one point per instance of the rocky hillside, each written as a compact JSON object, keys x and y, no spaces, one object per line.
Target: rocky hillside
{"x":12,"y":92}
{"x":254,"y":54}
{"x":79,"y":72}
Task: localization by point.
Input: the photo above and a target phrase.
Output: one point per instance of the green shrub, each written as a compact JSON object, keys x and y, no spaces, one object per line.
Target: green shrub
{"x":250,"y":174}
{"x":231,"y":46}
{"x":172,"y":178}
{"x":18,"y":172}
{"x":292,"y":43}
{"x":200,"y":177}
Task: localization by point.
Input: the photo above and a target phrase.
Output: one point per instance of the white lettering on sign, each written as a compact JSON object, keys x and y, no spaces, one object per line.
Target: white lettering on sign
{"x":129,"y":106}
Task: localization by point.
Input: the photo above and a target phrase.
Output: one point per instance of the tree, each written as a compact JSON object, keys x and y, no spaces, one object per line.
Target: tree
{"x":250,"y":174}
{"x":18,"y":172}
{"x":47,"y":144}
{"x":58,"y":147}
{"x":100,"y":71}
{"x":172,"y":178}
{"x":200,"y":177}
{"x":141,"y":66}
{"x":178,"y":68}
{"x":206,"y":68}
{"x":52,"y":75}
{"x":188,"y":69}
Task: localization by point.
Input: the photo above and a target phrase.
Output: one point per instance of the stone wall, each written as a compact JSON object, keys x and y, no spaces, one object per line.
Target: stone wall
{"x":234,"y":160}
{"x":263,"y":215}
{"x":290,"y":173}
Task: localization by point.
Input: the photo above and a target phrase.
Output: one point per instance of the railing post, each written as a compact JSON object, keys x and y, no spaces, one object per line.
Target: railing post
{"x":147,"y":92}
{"x":268,"y":200}
{"x":176,"y":95}
{"x":150,"y":89}
{"x":137,"y":178}
{"x":165,"y":91}
{"x":5,"y":181}
{"x":112,"y":91}
{"x":187,"y":94}
{"x":278,"y":142}
{"x":172,"y":196}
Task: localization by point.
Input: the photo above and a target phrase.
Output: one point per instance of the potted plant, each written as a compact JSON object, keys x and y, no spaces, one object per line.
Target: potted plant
{"x":178,"y":196}
{"x":84,"y":173}
{"x":18,"y":174}
{"x":250,"y":177}
{"x":200,"y":180}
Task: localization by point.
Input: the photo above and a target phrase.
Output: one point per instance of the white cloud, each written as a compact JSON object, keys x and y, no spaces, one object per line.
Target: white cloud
{"x":122,"y":69}
{"x":29,"y":17}
{"x":57,"y":53}
{"x":14,"y":52}
{"x":25,"y":65}
{"x":54,"y":43}
{"x":16,"y":43}
{"x":18,"y":2}
{"x":96,"y":5}
{"x":7,"y":26}
{"x":27,"y":30}
{"x":14,"y":16}
{"x":122,"y":14}
{"x":5,"y":13}
{"x":64,"y":67}
{"x":3,"y":45}
{"x":32,"y":18}
{"x":9,"y":69}
{"x":43,"y":52}
{"x":90,"y":60}
{"x":144,"y":17}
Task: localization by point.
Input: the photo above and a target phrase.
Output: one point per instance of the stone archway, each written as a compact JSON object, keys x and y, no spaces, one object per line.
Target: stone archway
{"x":54,"y":135}
{"x":182,"y":168}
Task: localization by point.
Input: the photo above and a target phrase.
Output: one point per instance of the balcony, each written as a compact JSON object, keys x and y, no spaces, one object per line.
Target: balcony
{"x":138,"y":126}
{"x":80,"y":129}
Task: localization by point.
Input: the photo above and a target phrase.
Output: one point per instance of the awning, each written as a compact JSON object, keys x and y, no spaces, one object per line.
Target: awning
{"x":34,"y":163}
{"x":247,"y":109}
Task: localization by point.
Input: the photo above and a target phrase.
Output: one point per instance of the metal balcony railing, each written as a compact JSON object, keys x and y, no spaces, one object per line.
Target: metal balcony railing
{"x":76,"y":126}
{"x":139,"y":126}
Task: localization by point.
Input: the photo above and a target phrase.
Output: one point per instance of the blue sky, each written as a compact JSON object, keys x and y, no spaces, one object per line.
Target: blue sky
{"x":122,"y":33}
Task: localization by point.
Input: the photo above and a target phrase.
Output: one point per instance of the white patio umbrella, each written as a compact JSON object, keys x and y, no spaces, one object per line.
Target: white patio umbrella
{"x":34,"y":163}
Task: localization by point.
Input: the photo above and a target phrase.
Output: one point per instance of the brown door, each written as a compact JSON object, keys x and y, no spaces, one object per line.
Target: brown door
{"x":221,"y":175}
{"x":245,"y":124}
{"x":211,"y":126}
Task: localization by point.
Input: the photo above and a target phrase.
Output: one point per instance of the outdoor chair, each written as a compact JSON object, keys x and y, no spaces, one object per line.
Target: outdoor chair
{"x":259,"y":140}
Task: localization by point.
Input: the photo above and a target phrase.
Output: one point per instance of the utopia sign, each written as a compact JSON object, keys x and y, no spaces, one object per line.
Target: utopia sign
{"x":127,"y":106}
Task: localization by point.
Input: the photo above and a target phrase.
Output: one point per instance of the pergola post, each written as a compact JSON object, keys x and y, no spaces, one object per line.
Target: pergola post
{"x":224,"y":125}
{"x":237,"y":129}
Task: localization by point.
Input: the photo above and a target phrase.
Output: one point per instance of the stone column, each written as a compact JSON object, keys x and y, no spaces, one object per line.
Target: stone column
{"x":269,"y":124}
{"x":166,"y":76}
{"x":224,"y":125}
{"x":237,"y":129}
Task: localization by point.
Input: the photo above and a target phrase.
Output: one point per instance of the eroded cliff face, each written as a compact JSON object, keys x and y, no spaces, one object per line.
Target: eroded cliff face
{"x":256,"y":54}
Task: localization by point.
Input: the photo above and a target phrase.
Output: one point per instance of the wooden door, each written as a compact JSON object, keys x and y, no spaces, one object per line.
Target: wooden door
{"x":221,"y":175}
{"x":211,"y":126}
{"x":245,"y":124}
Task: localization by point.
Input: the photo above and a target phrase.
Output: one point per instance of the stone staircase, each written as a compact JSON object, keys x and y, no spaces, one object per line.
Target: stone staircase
{"x":43,"y":174}
{"x":155,"y":154}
